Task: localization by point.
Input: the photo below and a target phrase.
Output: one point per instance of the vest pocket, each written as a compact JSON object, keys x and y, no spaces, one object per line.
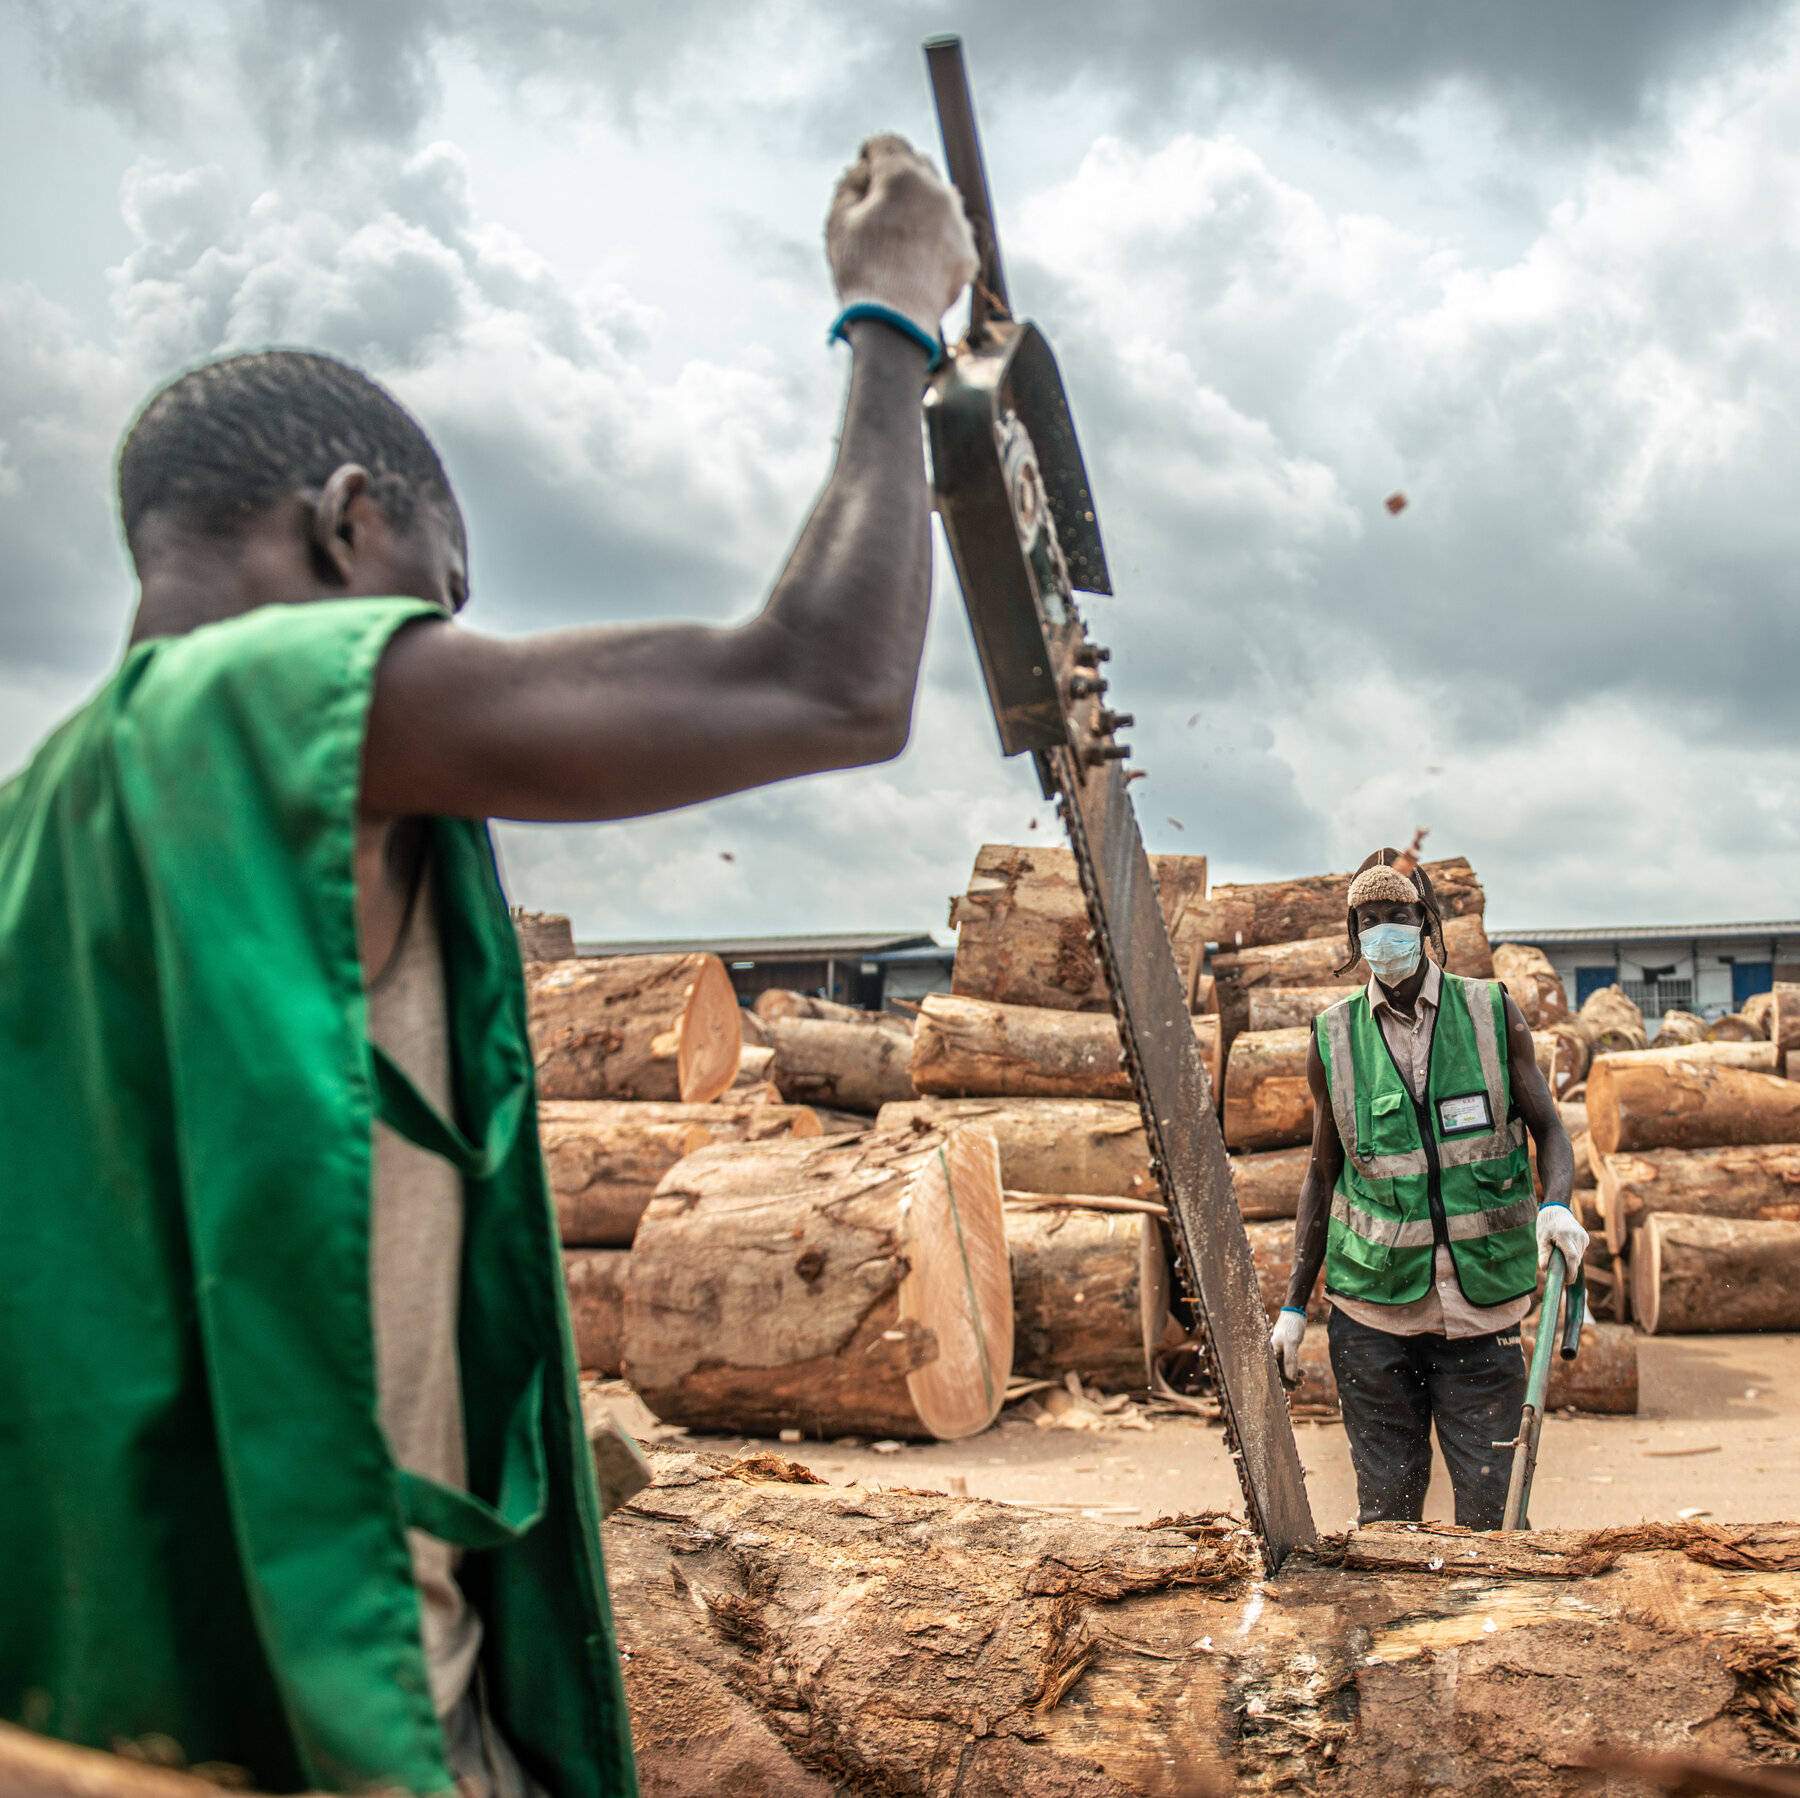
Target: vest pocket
{"x":1392,"y":1128}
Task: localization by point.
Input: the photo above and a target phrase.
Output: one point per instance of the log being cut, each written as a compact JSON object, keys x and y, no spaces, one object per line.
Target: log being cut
{"x":605,"y":1156}
{"x":1694,"y":1275}
{"x":1090,"y":1292}
{"x":841,"y":1286}
{"x":1268,"y":1103}
{"x":966,"y":1048}
{"x":848,"y":1066}
{"x":1757,"y":1181}
{"x":815,"y":1641}
{"x":1641,"y":1102}
{"x":633,"y":1027}
{"x":1531,"y":978}
{"x":1049,"y":1145}
{"x":1024,"y":936}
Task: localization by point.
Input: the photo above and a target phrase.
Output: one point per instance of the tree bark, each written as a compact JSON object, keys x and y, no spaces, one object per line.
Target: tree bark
{"x":842,"y":1286}
{"x":852,"y":1067}
{"x":1272,"y":1249}
{"x":1314,"y":962}
{"x":1268,"y":1184}
{"x":1759,"y":1008}
{"x":1644,"y":1103}
{"x":1536,"y":987}
{"x":1784,"y":1015}
{"x":1691,"y":1275}
{"x":1090,"y":1293}
{"x":1614,"y":1021}
{"x":1734,"y":1029}
{"x":788,"y":1640}
{"x":543,"y":936}
{"x":633,"y":1027}
{"x":1023,"y":927}
{"x":972,"y":1048}
{"x":1754,"y":1058}
{"x":605,"y":1156}
{"x":1049,"y":1145}
{"x":596,"y":1282}
{"x":1757,"y":1181}
{"x":1678,"y":1029}
{"x":1284,"y":911}
{"x":1268,"y":1104}
{"x":1562,"y":1055}
{"x":1289,"y":1007}
{"x":776,"y":1003}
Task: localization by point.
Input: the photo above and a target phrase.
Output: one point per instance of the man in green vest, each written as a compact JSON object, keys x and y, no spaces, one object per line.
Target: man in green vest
{"x":292,"y":1473}
{"x":1419,"y":1204}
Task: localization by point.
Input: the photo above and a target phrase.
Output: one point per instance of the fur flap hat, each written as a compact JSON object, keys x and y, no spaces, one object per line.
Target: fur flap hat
{"x":1378,"y":881}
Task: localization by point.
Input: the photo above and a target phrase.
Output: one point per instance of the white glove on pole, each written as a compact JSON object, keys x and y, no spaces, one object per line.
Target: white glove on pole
{"x":1285,"y":1339}
{"x":896,"y":235}
{"x":1558,"y":1228}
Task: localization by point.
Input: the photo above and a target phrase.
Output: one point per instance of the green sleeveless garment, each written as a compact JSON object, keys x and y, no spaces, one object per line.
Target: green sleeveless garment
{"x":201,"y":1529}
{"x":1451,"y":1168}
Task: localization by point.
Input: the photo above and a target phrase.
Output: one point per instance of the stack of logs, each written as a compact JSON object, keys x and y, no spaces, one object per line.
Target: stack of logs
{"x":1695,"y":1149}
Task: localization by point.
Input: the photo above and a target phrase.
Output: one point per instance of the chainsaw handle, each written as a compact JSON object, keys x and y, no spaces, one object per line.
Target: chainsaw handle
{"x":968,"y":175}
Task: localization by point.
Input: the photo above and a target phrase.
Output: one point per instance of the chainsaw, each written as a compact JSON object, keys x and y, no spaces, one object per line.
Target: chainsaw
{"x":1013,"y":495}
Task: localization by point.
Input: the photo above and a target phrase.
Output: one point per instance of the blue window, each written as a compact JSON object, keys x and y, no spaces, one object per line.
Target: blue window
{"x":1588,"y":981}
{"x":1748,"y":978}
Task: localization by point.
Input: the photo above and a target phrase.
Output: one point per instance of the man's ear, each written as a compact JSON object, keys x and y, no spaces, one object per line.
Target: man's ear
{"x":334,"y":527}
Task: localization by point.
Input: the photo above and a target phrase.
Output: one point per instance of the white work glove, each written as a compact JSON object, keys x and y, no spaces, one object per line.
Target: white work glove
{"x":896,"y":235}
{"x":1557,"y":1228}
{"x":1284,"y":1339}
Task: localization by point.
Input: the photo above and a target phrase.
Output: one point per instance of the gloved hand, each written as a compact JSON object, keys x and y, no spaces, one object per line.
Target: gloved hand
{"x":896,"y":234}
{"x":1557,"y":1228}
{"x":1284,"y":1339}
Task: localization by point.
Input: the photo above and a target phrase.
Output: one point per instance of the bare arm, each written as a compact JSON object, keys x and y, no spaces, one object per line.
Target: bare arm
{"x":1531,"y":1093}
{"x":1316,"y":1190}
{"x":611,"y":723}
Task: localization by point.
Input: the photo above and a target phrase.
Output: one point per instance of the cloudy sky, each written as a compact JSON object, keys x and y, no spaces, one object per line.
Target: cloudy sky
{"x":1536,"y":265}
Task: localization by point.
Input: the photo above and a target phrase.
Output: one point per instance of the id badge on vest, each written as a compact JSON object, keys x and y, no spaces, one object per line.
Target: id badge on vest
{"x":1463,"y":1114}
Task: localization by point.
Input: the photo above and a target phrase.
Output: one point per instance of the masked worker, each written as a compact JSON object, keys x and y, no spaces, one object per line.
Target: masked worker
{"x":292,"y":1469}
{"x":1418,"y":1203}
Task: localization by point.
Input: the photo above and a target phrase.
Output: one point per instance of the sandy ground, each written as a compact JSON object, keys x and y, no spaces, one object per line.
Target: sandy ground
{"x":1715,"y":1434}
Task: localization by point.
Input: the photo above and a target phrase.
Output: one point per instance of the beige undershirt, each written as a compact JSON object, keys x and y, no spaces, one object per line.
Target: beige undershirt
{"x":1442,"y":1311}
{"x":415,"y":1274}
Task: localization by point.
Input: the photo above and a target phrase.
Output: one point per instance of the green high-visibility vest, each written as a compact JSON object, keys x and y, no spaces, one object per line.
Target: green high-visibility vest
{"x":1450,"y":1168}
{"x":202,"y":1530}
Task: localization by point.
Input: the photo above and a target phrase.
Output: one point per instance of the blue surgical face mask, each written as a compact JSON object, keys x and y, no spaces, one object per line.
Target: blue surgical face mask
{"x":1392,"y":950}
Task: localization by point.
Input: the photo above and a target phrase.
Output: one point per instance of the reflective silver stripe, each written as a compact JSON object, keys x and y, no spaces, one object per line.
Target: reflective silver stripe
{"x":1341,"y":1082}
{"x":1470,"y":1224}
{"x":1491,"y":1145}
{"x":1416,"y":1233}
{"x":1478,"y":1002}
{"x":1387,"y":1232}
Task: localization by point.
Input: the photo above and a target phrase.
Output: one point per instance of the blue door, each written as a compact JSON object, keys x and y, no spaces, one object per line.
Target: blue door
{"x":1589,"y":981}
{"x":1748,"y":978}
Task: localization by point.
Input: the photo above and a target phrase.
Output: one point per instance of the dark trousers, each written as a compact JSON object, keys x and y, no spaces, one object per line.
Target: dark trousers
{"x":1392,"y":1388}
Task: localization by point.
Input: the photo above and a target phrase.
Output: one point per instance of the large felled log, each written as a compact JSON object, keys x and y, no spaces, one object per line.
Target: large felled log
{"x":970,"y":1048}
{"x":1268,"y":1184}
{"x":808,"y":1640}
{"x":1289,"y":1007}
{"x":1691,"y":1275}
{"x":1562,"y":1055}
{"x":1090,"y":1292}
{"x":1268,"y":1104}
{"x":1759,"y":1009}
{"x":1536,"y":987}
{"x":778,"y":1002}
{"x":1613,"y":1021}
{"x":1314,"y":962}
{"x":1757,"y":1058}
{"x":850,"y":1066}
{"x":1759,"y":1181}
{"x":1784,"y":1015}
{"x":1678,"y":1028}
{"x":1023,"y":927}
{"x":1048,"y":1145}
{"x":596,"y":1282}
{"x":1284,"y":911}
{"x":1272,"y":1249}
{"x":605,"y":1156}
{"x":845,"y":1285}
{"x":1734,"y":1029}
{"x":633,"y":1027}
{"x":543,"y":935}
{"x":1644,"y":1102}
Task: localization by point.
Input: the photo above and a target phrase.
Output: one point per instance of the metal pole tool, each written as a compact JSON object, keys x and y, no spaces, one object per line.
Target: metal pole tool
{"x":1557,"y":1288}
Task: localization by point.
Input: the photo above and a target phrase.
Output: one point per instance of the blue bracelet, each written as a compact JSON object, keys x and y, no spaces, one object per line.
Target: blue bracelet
{"x":887,"y":315}
{"x":1295,"y":1309}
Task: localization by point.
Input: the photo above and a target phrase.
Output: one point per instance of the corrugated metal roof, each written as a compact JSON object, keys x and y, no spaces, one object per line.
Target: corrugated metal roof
{"x":830,"y":946}
{"x":1652,"y":933}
